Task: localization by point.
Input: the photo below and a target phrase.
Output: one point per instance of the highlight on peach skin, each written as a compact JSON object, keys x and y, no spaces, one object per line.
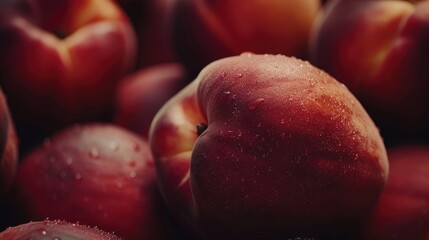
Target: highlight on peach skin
{"x":8,"y":147}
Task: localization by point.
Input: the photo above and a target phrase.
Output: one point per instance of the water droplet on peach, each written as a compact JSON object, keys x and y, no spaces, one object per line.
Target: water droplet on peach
{"x":253,"y":105}
{"x":94,"y":153}
{"x":246,"y":54}
{"x":132,"y":163}
{"x":69,"y":160}
{"x":135,"y":146}
{"x":78,"y":176}
{"x":114,"y":146}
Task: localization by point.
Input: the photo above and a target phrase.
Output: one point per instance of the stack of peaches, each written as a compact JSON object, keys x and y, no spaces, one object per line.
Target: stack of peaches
{"x":214,"y":119}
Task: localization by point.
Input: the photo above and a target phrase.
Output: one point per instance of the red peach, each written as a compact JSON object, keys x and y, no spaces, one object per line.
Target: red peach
{"x":379,"y":50}
{"x":276,"y":147}
{"x":207,"y":30}
{"x":98,"y":175}
{"x":141,"y":94}
{"x":62,"y":60}
{"x":55,"y":230}
{"x":403,"y":209}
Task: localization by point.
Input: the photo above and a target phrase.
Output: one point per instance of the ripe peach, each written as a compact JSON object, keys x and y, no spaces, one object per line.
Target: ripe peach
{"x":55,"y":230}
{"x":141,"y":94}
{"x":379,"y":50}
{"x":97,"y":174}
{"x":207,"y":30}
{"x":403,"y":209}
{"x":261,"y":146}
{"x":61,"y":61}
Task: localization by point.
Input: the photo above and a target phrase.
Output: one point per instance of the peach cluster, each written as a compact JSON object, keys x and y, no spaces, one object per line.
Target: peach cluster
{"x":214,"y":119}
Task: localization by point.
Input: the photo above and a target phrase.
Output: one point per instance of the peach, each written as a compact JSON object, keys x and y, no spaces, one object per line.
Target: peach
{"x":62,"y":60}
{"x":379,"y":50}
{"x":55,"y":230}
{"x":141,"y":94}
{"x":95,"y":174}
{"x":208,"y":30}
{"x":403,"y":209}
{"x":265,"y":146}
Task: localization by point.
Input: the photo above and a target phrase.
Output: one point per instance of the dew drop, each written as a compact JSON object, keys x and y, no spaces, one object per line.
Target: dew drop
{"x":114,"y":146}
{"x":94,"y":153}
{"x":133,"y":174}
{"x":239,"y":75}
{"x":56,"y":238}
{"x":247,"y":54}
{"x":44,"y":232}
{"x":226,"y":92}
{"x":282,"y":121}
{"x":78,"y":176}
{"x":135,"y":147}
{"x":132,"y":163}
{"x":253,"y":105}
{"x":69,"y":160}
